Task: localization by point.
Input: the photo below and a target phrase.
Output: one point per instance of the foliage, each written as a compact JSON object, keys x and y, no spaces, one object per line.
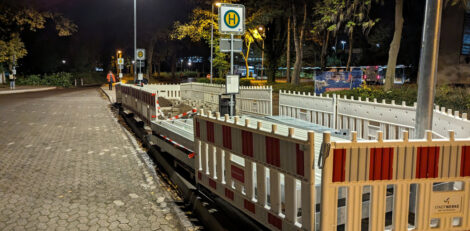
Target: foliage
{"x":16,"y":19}
{"x":61,"y":79}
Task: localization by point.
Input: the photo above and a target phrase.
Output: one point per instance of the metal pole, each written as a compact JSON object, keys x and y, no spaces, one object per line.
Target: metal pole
{"x":262,"y":60}
{"x":231,"y":54}
{"x":135,"y":41}
{"x":427,"y":74}
{"x":212,"y":35}
{"x":231,"y":72}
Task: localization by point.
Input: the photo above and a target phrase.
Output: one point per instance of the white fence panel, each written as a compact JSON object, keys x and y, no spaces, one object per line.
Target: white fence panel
{"x":312,"y":108}
{"x":367,"y":118}
{"x":446,"y":120}
{"x":255,"y":100}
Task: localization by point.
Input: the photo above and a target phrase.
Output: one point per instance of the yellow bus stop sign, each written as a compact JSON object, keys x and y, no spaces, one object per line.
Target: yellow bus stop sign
{"x":232,"y":19}
{"x":140,"y":54}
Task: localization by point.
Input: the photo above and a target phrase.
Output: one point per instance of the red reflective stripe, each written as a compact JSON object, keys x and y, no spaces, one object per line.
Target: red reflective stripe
{"x":210,"y":131}
{"x":381,"y":164}
{"x":465,"y":164}
{"x":198,"y":130}
{"x":238,"y":174}
{"x":154,"y":116}
{"x":212,"y":183}
{"x":275,"y":221}
{"x":229,"y":194}
{"x":227,"y":136}
{"x":247,"y":143}
{"x":249,"y":206}
{"x":273,"y":156}
{"x":300,"y":160}
{"x":427,"y":162}
{"x":433,"y":161}
{"x":339,"y":159}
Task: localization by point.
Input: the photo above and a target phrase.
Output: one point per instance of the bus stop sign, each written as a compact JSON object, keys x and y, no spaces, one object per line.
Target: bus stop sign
{"x":232,"y":19}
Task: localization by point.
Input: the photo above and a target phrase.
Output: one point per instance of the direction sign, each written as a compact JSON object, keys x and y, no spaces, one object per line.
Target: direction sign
{"x":140,"y":54}
{"x":120,"y":61}
{"x":225,"y":45}
{"x":232,"y":19}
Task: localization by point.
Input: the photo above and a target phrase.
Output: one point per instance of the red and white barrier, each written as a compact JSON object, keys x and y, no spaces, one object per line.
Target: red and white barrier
{"x":398,"y":164}
{"x":233,"y":160}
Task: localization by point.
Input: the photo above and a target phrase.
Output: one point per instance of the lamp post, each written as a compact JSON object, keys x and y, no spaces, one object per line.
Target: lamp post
{"x":135,"y":40}
{"x":212,"y":32}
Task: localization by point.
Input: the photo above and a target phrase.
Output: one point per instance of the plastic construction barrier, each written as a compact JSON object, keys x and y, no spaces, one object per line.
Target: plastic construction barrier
{"x":142,"y":103}
{"x":434,"y":172}
{"x":247,"y":166}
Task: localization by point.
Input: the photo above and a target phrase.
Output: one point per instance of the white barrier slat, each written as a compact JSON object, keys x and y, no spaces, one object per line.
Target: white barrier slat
{"x":423,"y":217}
{"x":354,"y":208}
{"x":261,"y":184}
{"x":219,"y":167}
{"x":275,"y":191}
{"x":290,"y":198}
{"x":249,"y":186}
{"x":377,"y":206}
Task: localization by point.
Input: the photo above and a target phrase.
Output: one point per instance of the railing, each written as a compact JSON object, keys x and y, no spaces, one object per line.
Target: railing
{"x":367,"y":117}
{"x":439,"y":169}
{"x":235,"y":158}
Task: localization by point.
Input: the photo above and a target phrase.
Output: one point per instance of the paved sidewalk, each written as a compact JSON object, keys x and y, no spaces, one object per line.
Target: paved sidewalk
{"x":67,"y":164}
{"x":110,"y":93}
{"x":24,"y":89}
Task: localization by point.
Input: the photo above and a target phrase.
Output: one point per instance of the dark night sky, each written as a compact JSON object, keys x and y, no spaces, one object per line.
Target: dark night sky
{"x":103,"y":27}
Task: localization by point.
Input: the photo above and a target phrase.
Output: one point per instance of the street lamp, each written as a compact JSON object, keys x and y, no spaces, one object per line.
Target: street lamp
{"x":343,"y":42}
{"x":218,"y":4}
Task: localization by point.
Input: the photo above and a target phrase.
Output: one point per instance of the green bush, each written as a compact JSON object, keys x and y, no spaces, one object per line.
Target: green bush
{"x":60,"y":79}
{"x":31,"y":80}
{"x":90,"y":78}
{"x":214,"y":81}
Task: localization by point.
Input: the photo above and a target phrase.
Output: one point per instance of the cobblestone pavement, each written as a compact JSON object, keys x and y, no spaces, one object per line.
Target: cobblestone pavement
{"x":67,"y":164}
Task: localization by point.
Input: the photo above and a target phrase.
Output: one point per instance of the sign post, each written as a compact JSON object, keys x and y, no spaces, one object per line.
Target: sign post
{"x":232,"y":21}
{"x":120,"y":62}
{"x":140,"y":60}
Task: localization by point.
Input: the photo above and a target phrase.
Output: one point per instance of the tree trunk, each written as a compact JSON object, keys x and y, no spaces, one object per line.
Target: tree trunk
{"x":324,"y":49}
{"x":351,"y":39}
{"x":394,"y":46}
{"x":298,"y":44}
{"x":159,"y":64}
{"x":173,"y":66}
{"x":248,"y":45}
{"x":288,"y":52}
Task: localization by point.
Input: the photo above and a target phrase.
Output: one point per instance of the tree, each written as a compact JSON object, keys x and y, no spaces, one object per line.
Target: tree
{"x":17,"y":18}
{"x":326,"y":23}
{"x":298,"y":33}
{"x":198,"y":29}
{"x":356,"y":14}
{"x":249,"y":37}
{"x":394,"y":46}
